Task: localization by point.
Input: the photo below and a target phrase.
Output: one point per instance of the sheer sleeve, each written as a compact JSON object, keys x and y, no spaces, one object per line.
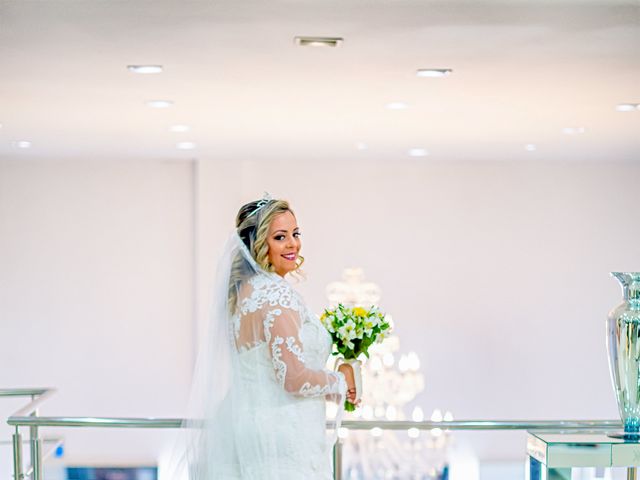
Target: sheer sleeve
{"x":281,"y":328}
{"x":270,"y":314}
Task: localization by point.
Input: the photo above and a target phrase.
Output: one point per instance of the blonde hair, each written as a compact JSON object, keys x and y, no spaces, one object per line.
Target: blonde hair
{"x":252,"y":224}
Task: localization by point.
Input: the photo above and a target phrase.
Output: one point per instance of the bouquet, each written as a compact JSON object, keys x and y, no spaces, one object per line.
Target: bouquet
{"x":353,"y":331}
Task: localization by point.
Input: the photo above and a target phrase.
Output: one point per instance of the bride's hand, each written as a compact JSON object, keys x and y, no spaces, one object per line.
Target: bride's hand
{"x":347,"y":371}
{"x":351,"y":396}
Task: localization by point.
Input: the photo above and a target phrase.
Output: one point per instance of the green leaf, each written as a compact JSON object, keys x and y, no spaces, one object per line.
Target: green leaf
{"x":349,"y":407}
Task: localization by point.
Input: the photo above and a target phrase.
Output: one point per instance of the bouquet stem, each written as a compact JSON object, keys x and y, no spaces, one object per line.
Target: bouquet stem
{"x":356,"y":365}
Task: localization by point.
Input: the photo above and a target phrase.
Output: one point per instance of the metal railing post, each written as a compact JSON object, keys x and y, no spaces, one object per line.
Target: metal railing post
{"x":35,"y":445}
{"x":35,"y":448}
{"x":337,"y":460}
{"x":17,"y":455}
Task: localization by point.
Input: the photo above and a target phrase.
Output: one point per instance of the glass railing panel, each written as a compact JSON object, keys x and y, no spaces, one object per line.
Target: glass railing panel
{"x":469,"y":450}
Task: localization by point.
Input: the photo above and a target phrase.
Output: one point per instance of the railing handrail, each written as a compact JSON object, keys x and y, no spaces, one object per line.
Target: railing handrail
{"x":104,"y":422}
{"x":23,"y":417}
{"x":484,"y":424}
{"x":33,"y":405}
{"x":23,"y":392}
{"x":120,"y":422}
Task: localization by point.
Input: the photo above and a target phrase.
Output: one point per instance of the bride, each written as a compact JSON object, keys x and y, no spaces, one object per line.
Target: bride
{"x":260,"y":384}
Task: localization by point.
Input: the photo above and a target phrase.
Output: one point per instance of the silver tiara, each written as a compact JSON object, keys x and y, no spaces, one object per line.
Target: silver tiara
{"x":266,"y":198}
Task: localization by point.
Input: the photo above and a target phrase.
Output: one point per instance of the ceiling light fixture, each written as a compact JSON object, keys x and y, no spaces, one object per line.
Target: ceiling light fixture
{"x":396,"y":106}
{"x":159,"y":103}
{"x":318,"y":41}
{"x":145,"y":68}
{"x":22,"y":144}
{"x":573,"y":130}
{"x":179,"y":128}
{"x":418,"y":152}
{"x":530,"y":147}
{"x":361,"y":146}
{"x":185,"y":145}
{"x":433,"y":72}
{"x":627,"y":107}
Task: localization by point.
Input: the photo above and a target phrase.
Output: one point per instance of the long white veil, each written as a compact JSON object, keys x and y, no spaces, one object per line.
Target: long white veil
{"x":209,"y":425}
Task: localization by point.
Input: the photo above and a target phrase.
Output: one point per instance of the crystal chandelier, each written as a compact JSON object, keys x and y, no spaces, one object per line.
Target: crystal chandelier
{"x":390,"y":382}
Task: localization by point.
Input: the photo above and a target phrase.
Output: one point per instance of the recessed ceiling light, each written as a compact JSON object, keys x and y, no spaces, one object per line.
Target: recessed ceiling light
{"x":318,"y":41}
{"x":22,"y":144}
{"x":179,"y":128}
{"x":573,"y":130}
{"x":530,"y":147}
{"x":433,"y":72}
{"x":396,"y":105}
{"x":145,"y":68}
{"x":185,"y":145}
{"x":361,"y":146}
{"x":418,"y":152}
{"x":159,"y":103}
{"x":627,"y":107}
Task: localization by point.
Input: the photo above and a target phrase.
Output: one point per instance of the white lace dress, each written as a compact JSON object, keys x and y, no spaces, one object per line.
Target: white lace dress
{"x":282,"y":351}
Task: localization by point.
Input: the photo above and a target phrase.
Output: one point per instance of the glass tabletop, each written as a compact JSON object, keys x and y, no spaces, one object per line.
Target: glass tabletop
{"x":579,"y":438}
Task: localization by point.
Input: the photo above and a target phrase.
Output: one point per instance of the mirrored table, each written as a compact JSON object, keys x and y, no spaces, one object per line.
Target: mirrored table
{"x":552,"y":455}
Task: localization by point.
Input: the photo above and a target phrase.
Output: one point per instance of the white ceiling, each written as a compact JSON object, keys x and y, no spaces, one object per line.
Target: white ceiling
{"x":522,"y":71}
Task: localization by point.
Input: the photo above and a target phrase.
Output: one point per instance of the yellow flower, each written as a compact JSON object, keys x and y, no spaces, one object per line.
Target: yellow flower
{"x":359,"y":312}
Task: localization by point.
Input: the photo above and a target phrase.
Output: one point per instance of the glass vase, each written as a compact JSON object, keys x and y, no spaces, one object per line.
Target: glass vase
{"x":623,"y":345}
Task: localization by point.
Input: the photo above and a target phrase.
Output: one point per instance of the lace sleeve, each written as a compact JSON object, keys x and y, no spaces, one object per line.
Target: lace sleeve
{"x":281,"y":329}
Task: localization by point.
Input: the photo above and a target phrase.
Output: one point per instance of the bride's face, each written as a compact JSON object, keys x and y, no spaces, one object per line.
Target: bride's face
{"x":284,"y":243}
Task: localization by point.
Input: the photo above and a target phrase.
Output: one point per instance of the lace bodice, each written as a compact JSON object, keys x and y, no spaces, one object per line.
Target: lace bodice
{"x":273,"y":317}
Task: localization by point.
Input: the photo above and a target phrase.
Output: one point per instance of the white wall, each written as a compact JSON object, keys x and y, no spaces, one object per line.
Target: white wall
{"x":495,"y":273}
{"x":96,"y":294}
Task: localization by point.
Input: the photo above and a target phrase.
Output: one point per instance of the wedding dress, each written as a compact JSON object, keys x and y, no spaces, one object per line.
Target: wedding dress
{"x":258,"y":405}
